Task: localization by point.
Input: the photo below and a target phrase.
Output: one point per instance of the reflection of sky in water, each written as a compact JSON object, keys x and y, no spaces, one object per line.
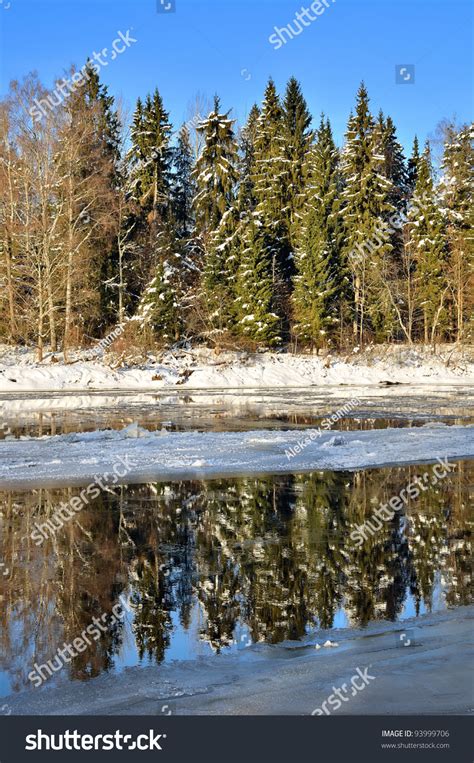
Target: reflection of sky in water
{"x":341,"y":619}
{"x":5,"y":684}
{"x":438,"y":601}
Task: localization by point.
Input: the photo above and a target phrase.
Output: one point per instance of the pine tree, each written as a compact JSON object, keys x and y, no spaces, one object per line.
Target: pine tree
{"x":297,"y":140}
{"x":320,"y":284}
{"x":215,"y":172}
{"x":428,"y":243}
{"x":456,"y":191}
{"x":366,"y":213}
{"x":183,"y":187}
{"x":256,"y":301}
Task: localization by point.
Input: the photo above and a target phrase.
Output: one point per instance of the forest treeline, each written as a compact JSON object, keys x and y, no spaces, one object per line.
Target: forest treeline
{"x":263,"y":236}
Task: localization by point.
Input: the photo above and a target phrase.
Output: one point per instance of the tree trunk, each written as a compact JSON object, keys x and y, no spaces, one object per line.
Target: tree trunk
{"x":70,"y":254}
{"x":40,"y":315}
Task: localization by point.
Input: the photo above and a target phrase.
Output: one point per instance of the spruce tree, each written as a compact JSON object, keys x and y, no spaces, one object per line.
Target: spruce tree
{"x":297,"y":142}
{"x":220,"y":271}
{"x":366,"y":213}
{"x":457,"y":202}
{"x":151,"y":157}
{"x":159,"y":307}
{"x":246,"y":195}
{"x":412,"y":167}
{"x":321,"y":282}
{"x":183,"y":186}
{"x":256,"y":301}
{"x":271,"y":178}
{"x":215,"y":172}
{"x":100,"y":153}
{"x":427,"y":242}
{"x":149,"y":189}
{"x":395,"y":169}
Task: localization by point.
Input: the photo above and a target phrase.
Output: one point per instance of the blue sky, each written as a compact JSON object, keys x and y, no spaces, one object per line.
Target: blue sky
{"x":223,"y":46}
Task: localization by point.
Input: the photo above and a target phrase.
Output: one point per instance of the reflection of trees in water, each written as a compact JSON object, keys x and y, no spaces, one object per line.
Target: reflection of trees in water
{"x":55,"y":590}
{"x":273,"y":554}
{"x":87,"y":571}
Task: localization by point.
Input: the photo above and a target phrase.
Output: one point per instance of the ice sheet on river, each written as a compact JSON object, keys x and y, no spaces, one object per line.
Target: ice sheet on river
{"x":77,"y":459}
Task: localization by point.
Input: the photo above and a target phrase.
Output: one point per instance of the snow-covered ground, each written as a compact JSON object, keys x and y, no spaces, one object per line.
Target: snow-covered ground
{"x":147,"y":456}
{"x":204,"y":369}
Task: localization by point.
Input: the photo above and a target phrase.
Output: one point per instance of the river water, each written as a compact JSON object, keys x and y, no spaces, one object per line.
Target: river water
{"x":210,"y":567}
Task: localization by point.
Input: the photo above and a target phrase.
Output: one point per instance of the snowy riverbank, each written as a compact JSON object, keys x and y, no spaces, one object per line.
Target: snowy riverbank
{"x":204,"y":369}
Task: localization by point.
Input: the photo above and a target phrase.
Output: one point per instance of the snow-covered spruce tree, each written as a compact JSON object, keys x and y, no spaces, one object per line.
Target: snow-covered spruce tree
{"x":256,"y":277}
{"x":183,"y":185}
{"x":457,"y":202}
{"x":297,"y":141}
{"x":271,"y":178}
{"x":321,"y":281}
{"x":220,"y":272}
{"x":215,"y":172}
{"x":216,"y":217}
{"x":412,"y":167}
{"x":366,"y":211}
{"x":395,"y":169}
{"x":427,"y":242}
{"x":151,"y":157}
{"x":246,"y":200}
{"x":149,"y":188}
{"x":159,"y":308}
{"x":392,"y":266}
